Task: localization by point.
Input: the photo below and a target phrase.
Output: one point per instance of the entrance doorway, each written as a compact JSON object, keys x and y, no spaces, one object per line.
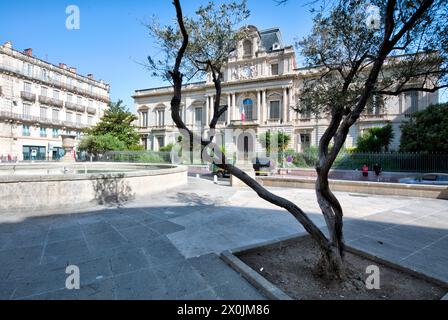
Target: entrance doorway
{"x":245,"y":146}
{"x":305,"y":141}
{"x":34,"y":153}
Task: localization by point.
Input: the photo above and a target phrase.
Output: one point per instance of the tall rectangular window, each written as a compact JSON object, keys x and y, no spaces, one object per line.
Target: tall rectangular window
{"x":56,"y":94}
{"x":375,"y":105}
{"x":145,"y":119}
{"x":28,"y":69}
{"x":274,"y":110}
{"x":89,"y":120}
{"x":68,"y":116}
{"x":26,"y":131}
{"x":198,"y":117}
{"x":57,"y":78}
{"x":69,"y":97}
{"x":161,"y":118}
{"x":55,"y":115}
{"x":44,"y":91}
{"x":411,"y":100}
{"x":55,"y":133}
{"x":43,"y":132}
{"x":43,"y":113}
{"x":26,"y":109}
{"x":274,"y":69}
{"x":44,"y":74}
{"x":27,"y":87}
{"x":78,"y":118}
{"x":248,"y":106}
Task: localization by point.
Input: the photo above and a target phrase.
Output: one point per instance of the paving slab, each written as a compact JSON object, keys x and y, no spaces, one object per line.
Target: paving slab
{"x":167,"y":246}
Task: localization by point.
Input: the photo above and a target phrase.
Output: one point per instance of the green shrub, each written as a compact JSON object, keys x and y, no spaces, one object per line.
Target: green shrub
{"x":375,"y":139}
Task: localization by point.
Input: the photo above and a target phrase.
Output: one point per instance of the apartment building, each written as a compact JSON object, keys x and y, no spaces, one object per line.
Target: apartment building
{"x":261,"y":84}
{"x":39,"y":101}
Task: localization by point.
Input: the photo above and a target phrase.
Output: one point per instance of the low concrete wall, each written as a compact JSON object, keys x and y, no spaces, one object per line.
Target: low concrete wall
{"x":375,"y":188}
{"x":70,"y":190}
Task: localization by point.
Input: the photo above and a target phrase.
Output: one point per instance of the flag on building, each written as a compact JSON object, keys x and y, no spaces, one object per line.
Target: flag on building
{"x":243,"y":114}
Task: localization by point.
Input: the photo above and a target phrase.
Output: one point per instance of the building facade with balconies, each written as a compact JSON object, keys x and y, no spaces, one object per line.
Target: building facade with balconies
{"x":261,"y":79}
{"x":40,"y":101}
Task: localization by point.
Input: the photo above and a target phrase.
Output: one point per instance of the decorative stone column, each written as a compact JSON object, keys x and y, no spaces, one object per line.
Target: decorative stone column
{"x":235,"y":117}
{"x":68,"y":143}
{"x":229,"y":108}
{"x":264,"y":105}
{"x":285,"y":105}
{"x":212,"y":109}
{"x":260,"y":114}
{"x":207,"y":107}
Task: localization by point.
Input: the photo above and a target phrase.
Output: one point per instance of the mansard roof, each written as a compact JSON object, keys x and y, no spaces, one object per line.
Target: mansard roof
{"x":271,"y":37}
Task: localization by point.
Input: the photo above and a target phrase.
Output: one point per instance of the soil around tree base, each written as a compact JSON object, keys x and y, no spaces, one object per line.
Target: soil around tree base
{"x":291,"y":268}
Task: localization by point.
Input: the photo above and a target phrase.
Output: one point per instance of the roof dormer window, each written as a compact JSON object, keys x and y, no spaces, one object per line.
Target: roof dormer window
{"x":247,"y":48}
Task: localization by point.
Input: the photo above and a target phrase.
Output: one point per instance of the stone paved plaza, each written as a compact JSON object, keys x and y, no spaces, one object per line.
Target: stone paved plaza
{"x":168,"y":246}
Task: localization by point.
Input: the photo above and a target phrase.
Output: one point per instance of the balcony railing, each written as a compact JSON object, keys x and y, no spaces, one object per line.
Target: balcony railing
{"x":28,"y":96}
{"x":40,"y":120}
{"x":51,"y":102}
{"x":91,"y":110}
{"x":248,"y":122}
{"x":52,"y":82}
{"x":75,"y":107}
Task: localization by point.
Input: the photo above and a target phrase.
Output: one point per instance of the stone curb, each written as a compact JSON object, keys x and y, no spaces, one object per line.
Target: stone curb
{"x":274,"y":293}
{"x":258,"y":281}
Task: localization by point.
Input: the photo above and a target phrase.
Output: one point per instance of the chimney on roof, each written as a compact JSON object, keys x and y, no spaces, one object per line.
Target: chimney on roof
{"x":90,"y":76}
{"x":62,"y":65}
{"x":8,"y":44}
{"x":72,"y":69}
{"x":28,"y":52}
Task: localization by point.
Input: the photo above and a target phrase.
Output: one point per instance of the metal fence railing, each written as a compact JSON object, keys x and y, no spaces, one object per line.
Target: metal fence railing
{"x":391,"y":162}
{"x":135,"y":157}
{"x":394,"y":162}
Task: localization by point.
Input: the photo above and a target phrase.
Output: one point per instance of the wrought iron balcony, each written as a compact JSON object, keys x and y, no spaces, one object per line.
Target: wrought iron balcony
{"x":7,"y":115}
{"x":91,"y":110}
{"x":28,"y":96}
{"x":53,"y":82}
{"x":51,"y":102}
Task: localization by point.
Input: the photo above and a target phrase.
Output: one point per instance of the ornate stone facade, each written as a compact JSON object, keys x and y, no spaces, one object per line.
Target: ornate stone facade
{"x":261,"y":77}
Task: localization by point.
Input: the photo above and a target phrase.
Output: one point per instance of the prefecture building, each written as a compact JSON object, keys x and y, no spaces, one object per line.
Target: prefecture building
{"x":262,"y":79}
{"x":40,"y":101}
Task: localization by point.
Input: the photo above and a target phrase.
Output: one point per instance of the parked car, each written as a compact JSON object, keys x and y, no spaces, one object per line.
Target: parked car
{"x":221,"y":173}
{"x":429,"y":178}
{"x":262,"y":166}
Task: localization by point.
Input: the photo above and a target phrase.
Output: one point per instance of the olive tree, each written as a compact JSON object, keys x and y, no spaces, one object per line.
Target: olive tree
{"x":355,"y":62}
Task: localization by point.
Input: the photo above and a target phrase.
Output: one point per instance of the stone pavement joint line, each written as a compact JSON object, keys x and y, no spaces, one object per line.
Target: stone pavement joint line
{"x":167,"y":246}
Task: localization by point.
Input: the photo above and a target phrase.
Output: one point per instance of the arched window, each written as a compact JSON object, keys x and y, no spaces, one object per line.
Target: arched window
{"x":247,"y":48}
{"x":248,"y":106}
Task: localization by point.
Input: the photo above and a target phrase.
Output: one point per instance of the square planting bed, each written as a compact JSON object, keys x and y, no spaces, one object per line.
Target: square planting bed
{"x":284,"y":270}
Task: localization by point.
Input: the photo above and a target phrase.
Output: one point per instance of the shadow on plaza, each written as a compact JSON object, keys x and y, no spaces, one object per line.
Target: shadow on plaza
{"x":115,"y":246}
{"x":112,"y":190}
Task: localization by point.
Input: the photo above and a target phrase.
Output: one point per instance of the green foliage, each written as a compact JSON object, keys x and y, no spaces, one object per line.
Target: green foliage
{"x":167,"y":148}
{"x":213,"y":32}
{"x":426,"y":131}
{"x":375,"y":139}
{"x":101,"y":143}
{"x":273,"y":142}
{"x":117,"y":122}
{"x":136,"y":147}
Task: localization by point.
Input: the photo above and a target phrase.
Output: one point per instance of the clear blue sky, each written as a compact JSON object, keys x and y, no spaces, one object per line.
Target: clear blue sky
{"x":112,"y":40}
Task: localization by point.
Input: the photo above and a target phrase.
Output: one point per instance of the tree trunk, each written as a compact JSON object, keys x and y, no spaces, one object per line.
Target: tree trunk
{"x":331,"y":264}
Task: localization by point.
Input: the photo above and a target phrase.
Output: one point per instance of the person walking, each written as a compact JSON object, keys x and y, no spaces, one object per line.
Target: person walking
{"x":365,"y":171}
